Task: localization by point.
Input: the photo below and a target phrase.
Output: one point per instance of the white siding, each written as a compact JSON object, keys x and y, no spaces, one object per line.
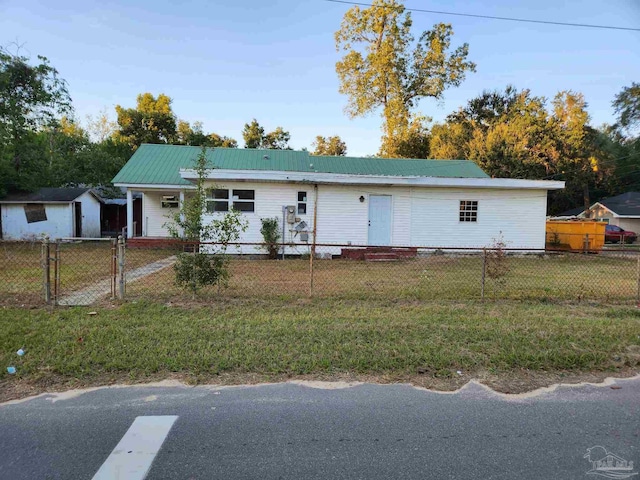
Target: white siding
{"x":59,"y":222}
{"x":631,"y":224}
{"x":269,"y":200}
{"x":90,"y":215}
{"x":154,"y":217}
{"x":421,"y":216}
{"x":519,"y":215}
{"x":342,"y":218}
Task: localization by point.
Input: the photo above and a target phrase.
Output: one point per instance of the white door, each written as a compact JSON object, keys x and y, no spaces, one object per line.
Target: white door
{"x":380,"y":220}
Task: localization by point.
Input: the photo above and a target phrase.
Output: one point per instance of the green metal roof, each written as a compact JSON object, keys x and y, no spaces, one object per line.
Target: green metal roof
{"x":161,"y":164}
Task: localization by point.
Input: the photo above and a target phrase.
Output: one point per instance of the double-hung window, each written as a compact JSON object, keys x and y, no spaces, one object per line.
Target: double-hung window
{"x":217,"y":200}
{"x":244,"y":200}
{"x":302,"y":203}
{"x":222,"y":200}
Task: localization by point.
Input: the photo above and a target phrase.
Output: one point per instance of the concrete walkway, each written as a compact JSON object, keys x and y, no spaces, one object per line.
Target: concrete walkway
{"x":98,"y":290}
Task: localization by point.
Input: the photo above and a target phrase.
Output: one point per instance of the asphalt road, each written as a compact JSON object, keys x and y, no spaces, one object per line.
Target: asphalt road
{"x":290,"y":431}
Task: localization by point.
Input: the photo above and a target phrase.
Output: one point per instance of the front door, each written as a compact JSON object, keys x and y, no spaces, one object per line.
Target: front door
{"x":380,"y":220}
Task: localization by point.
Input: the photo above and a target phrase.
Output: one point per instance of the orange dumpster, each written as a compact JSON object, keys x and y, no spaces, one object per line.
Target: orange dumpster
{"x":587,"y":235}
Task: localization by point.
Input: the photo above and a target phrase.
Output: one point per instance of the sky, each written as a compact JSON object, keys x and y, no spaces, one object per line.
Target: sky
{"x":226,"y":62}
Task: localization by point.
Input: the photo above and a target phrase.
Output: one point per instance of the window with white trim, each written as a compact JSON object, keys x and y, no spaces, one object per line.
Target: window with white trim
{"x":468,"y":210}
{"x":217,"y":200}
{"x":244,"y":200}
{"x":170,"y":201}
{"x":222,"y":200}
{"x":302,"y":203}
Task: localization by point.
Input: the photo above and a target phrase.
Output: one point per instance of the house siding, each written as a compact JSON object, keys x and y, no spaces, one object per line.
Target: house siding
{"x":519,"y":216}
{"x":421,"y":216}
{"x":631,"y":224}
{"x":602,"y":213}
{"x":154,"y":217}
{"x":59,"y":222}
{"x":269,"y":200}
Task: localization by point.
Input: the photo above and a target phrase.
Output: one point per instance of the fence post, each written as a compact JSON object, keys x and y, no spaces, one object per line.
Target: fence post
{"x":484,"y":271}
{"x":313,"y":254}
{"x":56,"y":273}
{"x":638,"y":282}
{"x":46,"y":269}
{"x":121,"y":279}
{"x":114,"y":267}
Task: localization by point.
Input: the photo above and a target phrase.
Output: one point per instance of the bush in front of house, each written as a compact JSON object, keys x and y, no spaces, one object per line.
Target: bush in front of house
{"x":271,"y":236}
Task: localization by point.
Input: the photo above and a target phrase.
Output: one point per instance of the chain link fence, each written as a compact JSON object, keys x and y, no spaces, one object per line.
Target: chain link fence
{"x":80,"y":272}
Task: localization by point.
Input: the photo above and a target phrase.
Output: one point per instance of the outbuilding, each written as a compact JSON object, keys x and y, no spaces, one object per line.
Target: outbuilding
{"x":54,"y":212}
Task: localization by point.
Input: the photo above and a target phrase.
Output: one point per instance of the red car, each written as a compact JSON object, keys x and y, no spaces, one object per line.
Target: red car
{"x":615,"y":234}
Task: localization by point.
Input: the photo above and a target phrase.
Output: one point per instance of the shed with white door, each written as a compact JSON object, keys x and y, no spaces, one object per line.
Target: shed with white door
{"x":351,"y":201}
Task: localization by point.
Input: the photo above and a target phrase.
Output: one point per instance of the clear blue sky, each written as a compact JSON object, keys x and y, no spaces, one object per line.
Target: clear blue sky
{"x":226,"y":62}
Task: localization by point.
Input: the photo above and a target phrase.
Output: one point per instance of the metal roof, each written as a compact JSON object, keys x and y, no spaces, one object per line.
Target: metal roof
{"x":46,"y":195}
{"x":161,"y":164}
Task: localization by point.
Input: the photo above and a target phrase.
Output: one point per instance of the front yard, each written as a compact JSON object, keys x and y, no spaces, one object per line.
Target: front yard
{"x":240,"y":341}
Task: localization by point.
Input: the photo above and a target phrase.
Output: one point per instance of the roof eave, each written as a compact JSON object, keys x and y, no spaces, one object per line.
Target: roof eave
{"x":381,"y":180}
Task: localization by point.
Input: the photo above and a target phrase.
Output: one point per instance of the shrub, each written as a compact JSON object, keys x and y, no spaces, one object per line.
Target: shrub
{"x":196,"y":270}
{"x":271,"y":236}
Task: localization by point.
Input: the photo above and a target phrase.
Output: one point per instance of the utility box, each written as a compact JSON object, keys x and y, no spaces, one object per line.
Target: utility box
{"x":290,"y":212}
{"x":575,"y":235}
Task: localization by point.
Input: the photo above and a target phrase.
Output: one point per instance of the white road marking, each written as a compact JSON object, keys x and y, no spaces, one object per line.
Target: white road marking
{"x":134,"y":454}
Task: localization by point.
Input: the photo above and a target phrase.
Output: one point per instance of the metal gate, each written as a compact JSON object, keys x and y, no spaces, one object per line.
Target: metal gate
{"x":81,"y":271}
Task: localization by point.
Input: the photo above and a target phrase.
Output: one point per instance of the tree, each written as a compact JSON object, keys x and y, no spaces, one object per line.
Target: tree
{"x":254,"y":137}
{"x":277,"y":140}
{"x":186,"y":135}
{"x":252,"y":134}
{"x":333,"y":146}
{"x":101,"y":127}
{"x":627,"y":106}
{"x":152,"y":121}
{"x":198,"y":269}
{"x":32,"y":96}
{"x":384,"y":68}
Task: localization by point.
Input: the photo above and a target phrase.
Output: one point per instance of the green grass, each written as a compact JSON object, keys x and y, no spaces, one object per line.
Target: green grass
{"x":81,"y":264}
{"x":320,"y":337}
{"x":569,"y":277}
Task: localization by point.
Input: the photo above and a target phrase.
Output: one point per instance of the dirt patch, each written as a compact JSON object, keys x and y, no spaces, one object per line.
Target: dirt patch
{"x":508,"y":383}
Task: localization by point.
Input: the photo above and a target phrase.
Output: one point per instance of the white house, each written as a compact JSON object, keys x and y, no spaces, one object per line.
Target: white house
{"x":342,"y":200}
{"x":621,"y":210}
{"x":54,"y":212}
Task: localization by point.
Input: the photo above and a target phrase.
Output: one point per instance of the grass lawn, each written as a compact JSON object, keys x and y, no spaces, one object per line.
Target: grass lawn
{"x":569,"y":277}
{"x":81,"y":264}
{"x":321,"y":337}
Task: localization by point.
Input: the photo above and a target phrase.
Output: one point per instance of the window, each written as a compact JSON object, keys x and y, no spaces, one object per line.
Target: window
{"x":468,"y":210}
{"x":217,"y":200}
{"x":244,"y":200}
{"x":302,"y":203}
{"x":221,"y":200}
{"x":35,"y":212}
{"x":170,"y":201}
